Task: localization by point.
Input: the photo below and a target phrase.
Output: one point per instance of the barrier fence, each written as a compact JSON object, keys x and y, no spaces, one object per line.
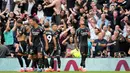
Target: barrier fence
{"x":72,"y":64}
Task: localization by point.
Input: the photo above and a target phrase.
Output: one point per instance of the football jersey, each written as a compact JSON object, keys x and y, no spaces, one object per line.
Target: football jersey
{"x":50,"y":35}
{"x":57,"y":35}
{"x":37,"y":35}
{"x":82,"y":34}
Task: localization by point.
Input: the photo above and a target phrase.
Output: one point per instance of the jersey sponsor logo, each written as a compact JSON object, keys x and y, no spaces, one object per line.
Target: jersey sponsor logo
{"x":35,"y":33}
{"x":84,"y":33}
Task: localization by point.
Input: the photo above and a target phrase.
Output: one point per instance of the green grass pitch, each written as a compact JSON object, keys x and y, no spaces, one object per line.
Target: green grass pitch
{"x":70,"y":72}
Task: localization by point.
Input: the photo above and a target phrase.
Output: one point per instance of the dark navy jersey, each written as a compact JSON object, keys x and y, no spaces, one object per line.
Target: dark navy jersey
{"x":37,"y":35}
{"x":82,"y":34}
{"x":50,"y":35}
{"x":57,"y":35}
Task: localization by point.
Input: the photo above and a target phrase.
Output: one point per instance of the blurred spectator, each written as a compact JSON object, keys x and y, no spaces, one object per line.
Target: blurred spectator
{"x":90,"y":50}
{"x":70,"y":4}
{"x":107,"y":32}
{"x":92,"y":26}
{"x":48,"y":11}
{"x":113,"y":45}
{"x":1,"y":5}
{"x":10,"y":5}
{"x":40,"y":12}
{"x":115,"y":19}
{"x":100,"y":45}
{"x":56,"y":4}
{"x":9,"y":38}
{"x":63,"y":36}
{"x":108,"y":21}
{"x":101,"y":2}
{"x":124,"y":21}
{"x":11,"y":19}
{"x":27,"y":7}
{"x":4,"y":51}
{"x":69,"y":42}
{"x":102,"y":21}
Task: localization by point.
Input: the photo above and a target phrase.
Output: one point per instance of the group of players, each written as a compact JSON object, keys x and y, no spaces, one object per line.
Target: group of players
{"x":38,"y":42}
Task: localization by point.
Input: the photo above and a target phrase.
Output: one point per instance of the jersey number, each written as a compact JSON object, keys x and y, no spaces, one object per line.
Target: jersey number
{"x":49,"y":38}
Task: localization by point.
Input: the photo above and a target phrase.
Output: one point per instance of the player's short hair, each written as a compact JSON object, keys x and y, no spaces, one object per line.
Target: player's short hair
{"x":34,"y":19}
{"x":19,"y":21}
{"x":53,"y":23}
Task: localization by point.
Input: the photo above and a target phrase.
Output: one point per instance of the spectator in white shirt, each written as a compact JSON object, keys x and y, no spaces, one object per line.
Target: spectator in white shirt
{"x":30,"y":6}
{"x":107,"y":33}
{"x":40,"y":13}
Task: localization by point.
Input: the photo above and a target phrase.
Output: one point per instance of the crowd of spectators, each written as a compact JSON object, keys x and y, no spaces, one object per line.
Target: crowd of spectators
{"x":108,"y":21}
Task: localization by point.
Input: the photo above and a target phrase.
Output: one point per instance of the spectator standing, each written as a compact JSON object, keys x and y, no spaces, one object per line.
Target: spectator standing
{"x":40,"y":12}
{"x":9,"y":38}
{"x":48,"y":12}
{"x":102,"y":21}
{"x":57,"y":9}
{"x":82,"y":34}
{"x":4,"y":51}
{"x":1,"y":5}
{"x":100,"y":45}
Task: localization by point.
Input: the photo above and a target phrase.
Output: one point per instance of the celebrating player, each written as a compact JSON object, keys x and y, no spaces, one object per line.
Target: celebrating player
{"x":52,"y":46}
{"x":22,"y":52}
{"x":57,"y":33}
{"x":82,"y":33}
{"x":36,"y":41}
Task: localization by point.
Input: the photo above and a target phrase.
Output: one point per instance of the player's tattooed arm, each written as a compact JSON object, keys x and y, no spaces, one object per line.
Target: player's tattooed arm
{"x":55,"y":45}
{"x":46,"y":42}
{"x":30,"y":39}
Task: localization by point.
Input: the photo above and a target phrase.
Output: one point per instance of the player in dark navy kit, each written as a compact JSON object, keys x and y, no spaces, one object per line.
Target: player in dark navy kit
{"x":82,"y":34}
{"x":52,"y":47}
{"x":22,"y":52}
{"x":57,"y":31}
{"x":37,"y":39}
